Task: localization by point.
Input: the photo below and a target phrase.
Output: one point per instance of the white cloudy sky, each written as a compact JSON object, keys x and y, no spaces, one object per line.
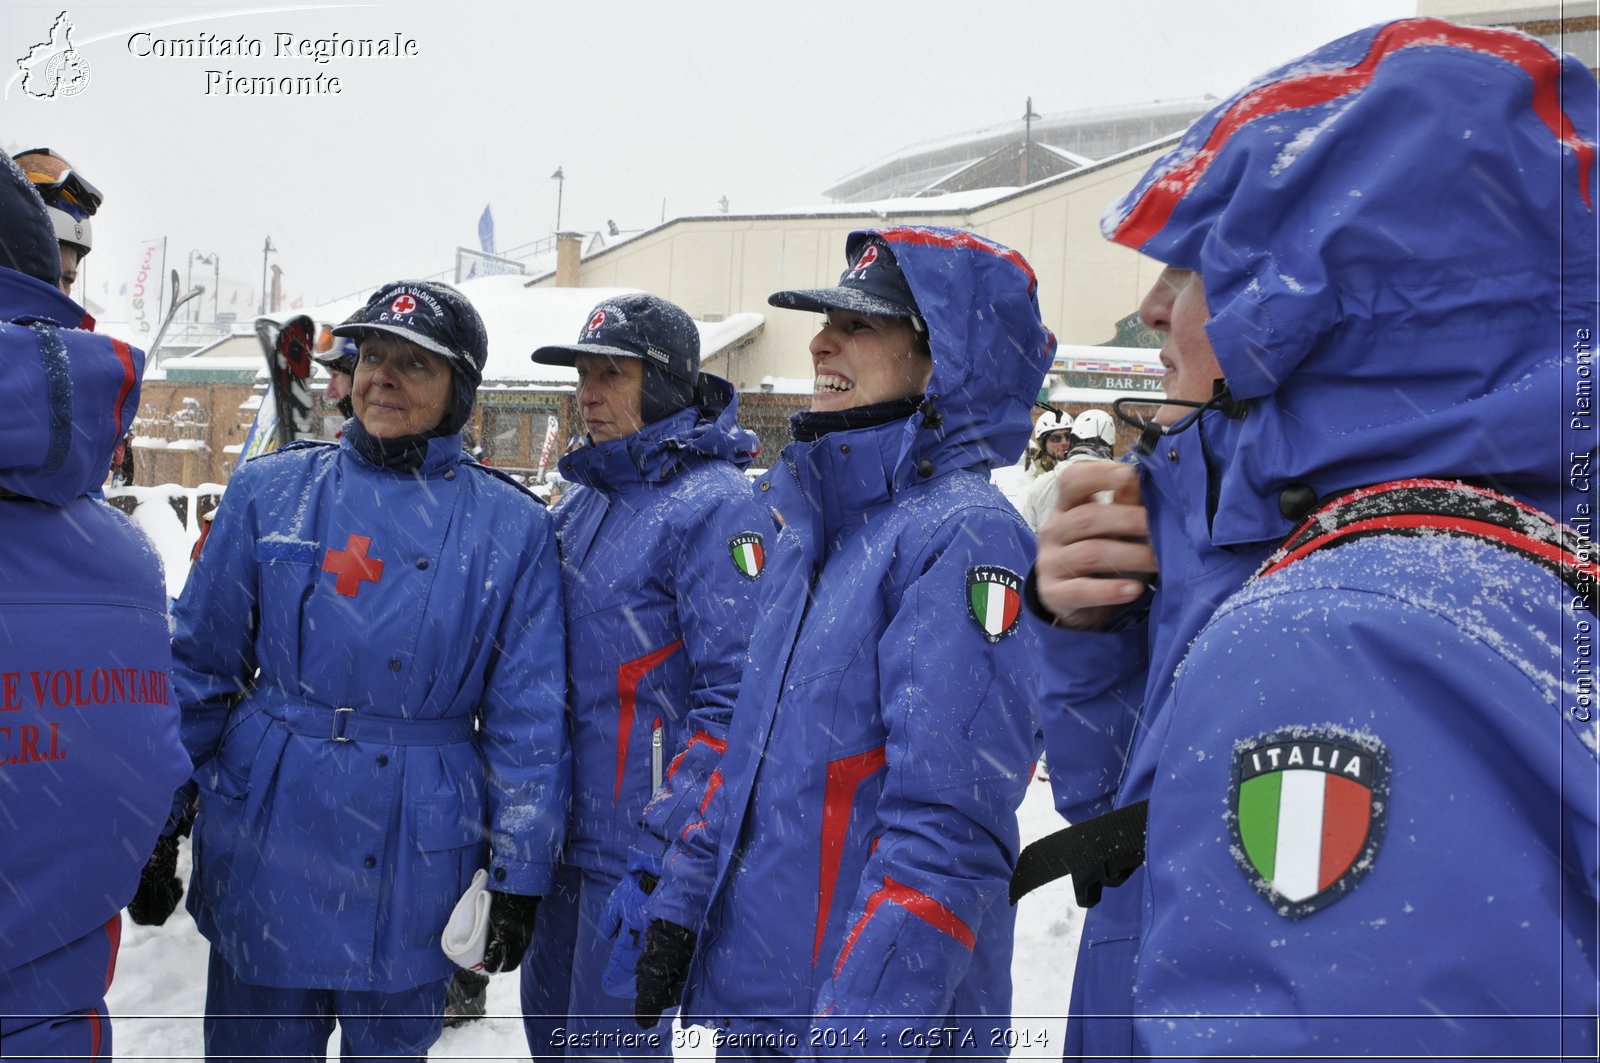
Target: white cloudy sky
{"x":646,"y":105}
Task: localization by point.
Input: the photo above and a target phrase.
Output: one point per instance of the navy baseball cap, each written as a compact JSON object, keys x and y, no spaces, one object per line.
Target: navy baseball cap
{"x":641,"y":326}
{"x":434,"y":316}
{"x":873,"y":285}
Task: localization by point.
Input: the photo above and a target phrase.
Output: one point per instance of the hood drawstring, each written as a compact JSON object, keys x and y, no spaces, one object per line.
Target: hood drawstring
{"x":1151,"y":433}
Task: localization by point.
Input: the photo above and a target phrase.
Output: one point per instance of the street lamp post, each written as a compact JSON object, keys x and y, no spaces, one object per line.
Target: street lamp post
{"x":266,"y":249}
{"x":216,"y":285}
{"x":214,"y":260}
{"x":561,"y":182}
{"x":1027,"y":155}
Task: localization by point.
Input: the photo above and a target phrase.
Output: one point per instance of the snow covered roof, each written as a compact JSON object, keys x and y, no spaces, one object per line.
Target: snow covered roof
{"x":236,"y":355}
{"x":1089,"y":134}
{"x":1070,"y":156}
{"x":788,"y":385}
{"x":520,"y":318}
{"x":968,"y":199}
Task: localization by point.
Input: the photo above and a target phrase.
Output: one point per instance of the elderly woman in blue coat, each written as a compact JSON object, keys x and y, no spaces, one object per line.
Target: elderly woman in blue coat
{"x":369,"y":659}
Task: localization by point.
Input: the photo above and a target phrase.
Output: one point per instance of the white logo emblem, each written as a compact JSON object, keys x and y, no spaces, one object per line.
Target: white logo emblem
{"x":54,"y":67}
{"x":868,"y":257}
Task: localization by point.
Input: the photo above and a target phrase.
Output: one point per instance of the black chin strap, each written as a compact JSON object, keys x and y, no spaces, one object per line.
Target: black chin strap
{"x":1151,"y":433}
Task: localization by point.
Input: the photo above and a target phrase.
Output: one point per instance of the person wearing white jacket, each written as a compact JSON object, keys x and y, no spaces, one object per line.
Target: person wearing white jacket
{"x":1090,"y":438}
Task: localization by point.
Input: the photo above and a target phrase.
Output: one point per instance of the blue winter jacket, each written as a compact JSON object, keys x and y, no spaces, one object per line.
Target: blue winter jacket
{"x":662,"y":545}
{"x":89,"y":749}
{"x":1397,"y":239}
{"x":885,"y":728}
{"x":1096,"y":689}
{"x":405,"y":727}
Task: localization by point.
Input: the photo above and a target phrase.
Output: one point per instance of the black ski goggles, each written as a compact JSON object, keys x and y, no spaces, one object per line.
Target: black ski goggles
{"x":53,"y":177}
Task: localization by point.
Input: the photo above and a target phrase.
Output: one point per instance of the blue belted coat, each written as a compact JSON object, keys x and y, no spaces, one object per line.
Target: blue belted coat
{"x":370,"y":666}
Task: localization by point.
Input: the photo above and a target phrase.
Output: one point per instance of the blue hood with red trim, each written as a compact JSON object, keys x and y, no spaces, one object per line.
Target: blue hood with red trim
{"x":1397,"y":234}
{"x":990,"y":348}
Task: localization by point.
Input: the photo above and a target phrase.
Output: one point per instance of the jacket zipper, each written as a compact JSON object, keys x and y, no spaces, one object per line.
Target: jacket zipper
{"x":655,"y":757}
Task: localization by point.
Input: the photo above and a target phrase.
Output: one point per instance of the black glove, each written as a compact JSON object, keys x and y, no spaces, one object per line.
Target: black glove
{"x":662,"y":969}
{"x":159,"y":888}
{"x":510,"y":930}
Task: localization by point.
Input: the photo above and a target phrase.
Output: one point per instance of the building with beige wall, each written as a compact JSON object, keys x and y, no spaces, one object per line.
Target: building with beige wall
{"x":729,"y":263}
{"x":726,"y":264}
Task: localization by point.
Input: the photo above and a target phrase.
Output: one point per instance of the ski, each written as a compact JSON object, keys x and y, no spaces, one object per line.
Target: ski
{"x":286,"y":412}
{"x":153,"y":355}
{"x":289,"y":364}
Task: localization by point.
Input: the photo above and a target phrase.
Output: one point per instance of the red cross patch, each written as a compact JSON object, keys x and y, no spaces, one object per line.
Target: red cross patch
{"x":403,"y":304}
{"x":353,"y":566}
{"x":596,"y":321}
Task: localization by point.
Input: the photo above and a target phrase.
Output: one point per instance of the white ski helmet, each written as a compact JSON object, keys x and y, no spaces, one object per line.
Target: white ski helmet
{"x":1095,"y":426}
{"x":70,"y":230}
{"x":1051,"y":421}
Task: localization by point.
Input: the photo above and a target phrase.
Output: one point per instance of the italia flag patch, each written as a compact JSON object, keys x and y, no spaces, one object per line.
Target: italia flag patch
{"x":1307,"y":806}
{"x":749,"y":553}
{"x":994,"y":595}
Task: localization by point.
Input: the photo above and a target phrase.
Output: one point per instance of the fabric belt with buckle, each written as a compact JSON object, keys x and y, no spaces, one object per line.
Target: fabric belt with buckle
{"x":349,"y":725}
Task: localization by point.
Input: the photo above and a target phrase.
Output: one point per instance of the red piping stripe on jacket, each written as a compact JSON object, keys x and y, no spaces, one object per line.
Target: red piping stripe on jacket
{"x":713,"y":784}
{"x":113,"y":929}
{"x":918,"y":904}
{"x":629,"y":675}
{"x":125,"y":355}
{"x":845,"y":776}
{"x":699,"y":738}
{"x":1155,"y":207}
{"x":1403,"y":521}
{"x":1555,"y":552}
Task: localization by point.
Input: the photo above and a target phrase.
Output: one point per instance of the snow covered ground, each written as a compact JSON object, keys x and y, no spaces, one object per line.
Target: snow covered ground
{"x":159,"y":993}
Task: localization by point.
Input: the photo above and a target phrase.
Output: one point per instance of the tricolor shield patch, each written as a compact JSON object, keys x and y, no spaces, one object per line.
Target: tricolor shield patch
{"x":1307,"y":806}
{"x":994,"y":595}
{"x":749,"y":553}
